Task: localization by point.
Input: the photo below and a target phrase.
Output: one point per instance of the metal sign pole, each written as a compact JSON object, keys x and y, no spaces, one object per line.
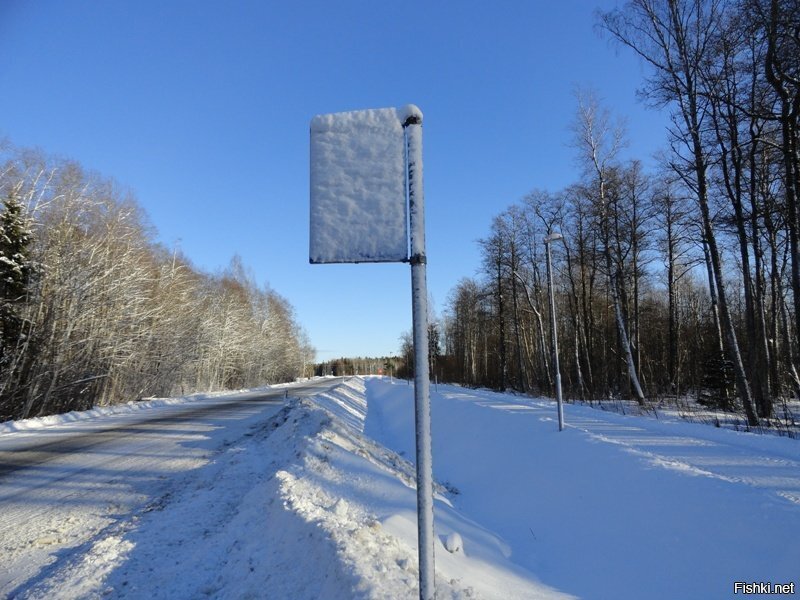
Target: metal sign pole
{"x":419,"y":304}
{"x":547,"y":241}
{"x":357,"y":217}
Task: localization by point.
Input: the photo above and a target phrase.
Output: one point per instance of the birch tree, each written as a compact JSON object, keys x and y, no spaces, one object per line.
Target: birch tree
{"x":598,"y":142}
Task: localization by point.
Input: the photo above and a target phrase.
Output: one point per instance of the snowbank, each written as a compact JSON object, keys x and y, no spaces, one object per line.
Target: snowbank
{"x":362,"y":496}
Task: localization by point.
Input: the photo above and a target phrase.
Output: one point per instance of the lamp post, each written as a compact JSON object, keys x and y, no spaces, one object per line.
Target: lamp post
{"x":551,"y":238}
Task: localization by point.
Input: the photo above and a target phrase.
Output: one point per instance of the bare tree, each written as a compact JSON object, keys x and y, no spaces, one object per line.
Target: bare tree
{"x":598,"y":142}
{"x":673,"y":37}
{"x":111,"y":316}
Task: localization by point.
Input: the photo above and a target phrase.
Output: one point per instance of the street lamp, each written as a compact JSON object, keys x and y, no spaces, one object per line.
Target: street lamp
{"x":551,"y":238}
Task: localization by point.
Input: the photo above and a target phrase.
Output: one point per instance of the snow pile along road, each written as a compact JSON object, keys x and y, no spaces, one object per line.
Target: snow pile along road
{"x":361,"y":497}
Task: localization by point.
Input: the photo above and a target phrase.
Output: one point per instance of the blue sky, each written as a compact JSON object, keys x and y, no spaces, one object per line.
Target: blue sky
{"x":202,"y":109}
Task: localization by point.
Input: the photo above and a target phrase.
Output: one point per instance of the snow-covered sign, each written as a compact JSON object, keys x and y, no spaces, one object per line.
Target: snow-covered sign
{"x":366,"y":197}
{"x":358,"y":187}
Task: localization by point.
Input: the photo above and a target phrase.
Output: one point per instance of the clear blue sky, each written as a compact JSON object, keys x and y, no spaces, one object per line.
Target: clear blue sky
{"x":202,"y":109}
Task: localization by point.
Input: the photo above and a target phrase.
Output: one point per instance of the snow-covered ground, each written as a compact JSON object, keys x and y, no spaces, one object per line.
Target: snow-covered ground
{"x":317,"y":501}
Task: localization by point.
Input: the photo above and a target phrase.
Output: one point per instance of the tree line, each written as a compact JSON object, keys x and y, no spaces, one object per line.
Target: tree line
{"x":360,"y":365}
{"x":681,"y":279}
{"x":94,"y":311}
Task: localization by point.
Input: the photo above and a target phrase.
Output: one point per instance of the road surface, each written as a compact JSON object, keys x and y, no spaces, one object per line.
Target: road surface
{"x":61,"y":485}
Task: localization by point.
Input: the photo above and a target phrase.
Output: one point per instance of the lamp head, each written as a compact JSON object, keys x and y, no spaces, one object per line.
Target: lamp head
{"x":553,"y":237}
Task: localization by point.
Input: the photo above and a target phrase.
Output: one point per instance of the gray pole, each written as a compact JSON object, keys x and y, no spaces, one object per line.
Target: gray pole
{"x":419,"y":309}
{"x":550,"y":238}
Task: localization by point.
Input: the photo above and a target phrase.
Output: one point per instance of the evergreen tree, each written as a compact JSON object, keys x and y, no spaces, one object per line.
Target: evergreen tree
{"x":16,"y":268}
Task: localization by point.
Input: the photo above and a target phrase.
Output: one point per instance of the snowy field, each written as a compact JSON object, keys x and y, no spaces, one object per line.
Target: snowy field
{"x":316,"y":500}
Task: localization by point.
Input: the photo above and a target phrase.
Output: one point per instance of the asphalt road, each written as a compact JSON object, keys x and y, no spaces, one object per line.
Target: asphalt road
{"x":63,"y":484}
{"x":45,"y":446}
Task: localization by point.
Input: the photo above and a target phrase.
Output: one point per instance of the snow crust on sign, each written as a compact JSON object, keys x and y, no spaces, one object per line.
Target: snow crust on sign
{"x":358,"y":197}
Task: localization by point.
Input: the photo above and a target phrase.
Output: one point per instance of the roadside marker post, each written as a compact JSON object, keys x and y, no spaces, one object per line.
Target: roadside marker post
{"x":367,"y":205}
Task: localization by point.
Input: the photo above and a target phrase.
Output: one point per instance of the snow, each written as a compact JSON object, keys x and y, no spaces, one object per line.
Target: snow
{"x":358,"y":195}
{"x":317,"y":501}
{"x":453,"y":542}
{"x":100,"y":411}
{"x":409,"y":111}
{"x":416,"y":198}
{"x":635,"y":507}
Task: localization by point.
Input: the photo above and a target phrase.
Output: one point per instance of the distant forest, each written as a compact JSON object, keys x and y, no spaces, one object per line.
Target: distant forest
{"x":680,"y":280}
{"x":93,"y":311}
